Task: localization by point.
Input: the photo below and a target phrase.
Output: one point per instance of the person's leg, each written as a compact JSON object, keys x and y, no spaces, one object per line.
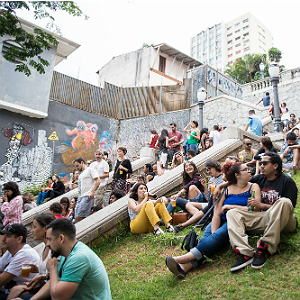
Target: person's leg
{"x":162,"y":212}
{"x":279,"y":218}
{"x":180,"y":202}
{"x":193,"y":193}
{"x":39,"y":198}
{"x":194,"y":207}
{"x":238,"y":222}
{"x":141,"y":223}
{"x":84,"y":208}
{"x":170,"y":155}
{"x":295,"y":160}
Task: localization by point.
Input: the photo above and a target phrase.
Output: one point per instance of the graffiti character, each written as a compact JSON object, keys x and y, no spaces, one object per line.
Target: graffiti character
{"x":89,"y":135}
{"x":104,"y":143}
{"x":79,"y":130}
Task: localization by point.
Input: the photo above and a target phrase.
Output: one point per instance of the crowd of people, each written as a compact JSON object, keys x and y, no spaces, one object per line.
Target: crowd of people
{"x":253,"y":179}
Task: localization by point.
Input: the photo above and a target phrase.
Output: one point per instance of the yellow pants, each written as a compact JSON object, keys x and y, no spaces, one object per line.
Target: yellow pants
{"x":148,"y":217}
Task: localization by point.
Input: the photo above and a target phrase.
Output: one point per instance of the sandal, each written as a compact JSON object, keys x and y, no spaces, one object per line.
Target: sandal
{"x":174,"y":267}
{"x":178,"y":228}
{"x":170,"y":228}
{"x":158,"y":231}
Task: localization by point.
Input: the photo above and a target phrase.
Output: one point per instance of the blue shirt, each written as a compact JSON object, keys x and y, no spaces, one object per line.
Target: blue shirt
{"x":255,"y":125}
{"x":266,"y":100}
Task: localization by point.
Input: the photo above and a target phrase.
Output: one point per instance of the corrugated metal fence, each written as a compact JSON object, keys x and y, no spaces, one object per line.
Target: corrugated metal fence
{"x":117,"y":102}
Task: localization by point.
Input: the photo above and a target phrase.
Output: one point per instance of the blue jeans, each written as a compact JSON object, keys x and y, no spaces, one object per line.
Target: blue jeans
{"x":194,"y":147}
{"x":211,"y":242}
{"x":41,"y":198}
{"x":180,"y":202}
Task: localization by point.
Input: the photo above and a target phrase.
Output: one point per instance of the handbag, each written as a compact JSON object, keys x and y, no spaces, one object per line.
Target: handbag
{"x":192,"y":239}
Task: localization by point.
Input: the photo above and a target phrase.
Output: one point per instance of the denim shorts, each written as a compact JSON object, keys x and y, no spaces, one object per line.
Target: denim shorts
{"x":83,"y":207}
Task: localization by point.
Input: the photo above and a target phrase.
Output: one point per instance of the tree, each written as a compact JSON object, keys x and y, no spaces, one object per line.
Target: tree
{"x":274,"y":54}
{"x":26,"y":48}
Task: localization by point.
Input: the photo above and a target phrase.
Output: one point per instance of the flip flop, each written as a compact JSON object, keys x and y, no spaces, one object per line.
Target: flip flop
{"x":174,"y":267}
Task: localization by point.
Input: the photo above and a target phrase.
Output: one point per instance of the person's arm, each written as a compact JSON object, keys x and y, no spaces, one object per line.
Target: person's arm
{"x":149,"y":177}
{"x":126,"y":166}
{"x":151,"y":138}
{"x":10,"y":208}
{"x":197,"y":136}
{"x":5,"y":277}
{"x":247,"y":126}
{"x":59,"y":290}
{"x":106,"y":174}
{"x":186,"y":128}
{"x":97,"y":182}
{"x":257,"y":155}
{"x":256,"y":201}
{"x":216,"y":219}
{"x":259,"y":101}
{"x":156,"y":144}
{"x":180,"y":193}
{"x":43,"y":293}
{"x":167,"y":142}
{"x":137,"y":208}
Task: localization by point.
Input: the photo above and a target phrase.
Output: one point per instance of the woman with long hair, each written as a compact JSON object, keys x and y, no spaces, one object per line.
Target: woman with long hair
{"x":194,"y":189}
{"x":153,"y":139}
{"x":215,"y":235}
{"x":177,"y":160}
{"x":122,"y":170}
{"x":39,"y":228}
{"x":163,"y":142}
{"x":145,"y":213}
{"x":28,"y":202}
{"x":12,"y":206}
{"x":66,"y":211}
{"x":204,"y":134}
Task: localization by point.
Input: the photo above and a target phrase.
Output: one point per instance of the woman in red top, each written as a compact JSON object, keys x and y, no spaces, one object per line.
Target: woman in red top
{"x":153,"y":139}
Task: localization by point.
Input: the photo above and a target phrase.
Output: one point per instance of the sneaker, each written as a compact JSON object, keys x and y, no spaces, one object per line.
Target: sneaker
{"x":261,"y":255}
{"x":241,"y":262}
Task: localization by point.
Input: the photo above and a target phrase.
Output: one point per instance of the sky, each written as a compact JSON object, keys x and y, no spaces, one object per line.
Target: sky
{"x":117,"y":27}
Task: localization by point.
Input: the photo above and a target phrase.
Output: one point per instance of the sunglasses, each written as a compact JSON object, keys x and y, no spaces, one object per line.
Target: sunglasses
{"x":264,"y":162}
{"x":248,"y":144}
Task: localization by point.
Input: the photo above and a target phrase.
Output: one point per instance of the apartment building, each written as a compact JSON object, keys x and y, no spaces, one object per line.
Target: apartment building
{"x":223,"y":43}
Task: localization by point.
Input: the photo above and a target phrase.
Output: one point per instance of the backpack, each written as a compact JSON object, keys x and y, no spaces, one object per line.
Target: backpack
{"x":190,"y":241}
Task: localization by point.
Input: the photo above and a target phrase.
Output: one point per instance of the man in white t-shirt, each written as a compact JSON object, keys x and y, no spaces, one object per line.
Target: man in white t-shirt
{"x":102,"y":168}
{"x":215,"y":135}
{"x":88,"y":183}
{"x":18,"y":252}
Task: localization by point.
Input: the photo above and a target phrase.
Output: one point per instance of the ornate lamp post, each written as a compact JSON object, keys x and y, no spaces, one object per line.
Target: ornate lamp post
{"x":274,"y":74}
{"x":201,"y":95}
{"x":262,"y":69}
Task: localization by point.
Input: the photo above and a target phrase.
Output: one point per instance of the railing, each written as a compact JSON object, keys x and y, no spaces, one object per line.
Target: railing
{"x":117,"y":102}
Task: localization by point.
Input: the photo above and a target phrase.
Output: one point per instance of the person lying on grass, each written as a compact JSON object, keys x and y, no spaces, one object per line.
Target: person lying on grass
{"x":215,"y":235}
{"x":145,"y":213}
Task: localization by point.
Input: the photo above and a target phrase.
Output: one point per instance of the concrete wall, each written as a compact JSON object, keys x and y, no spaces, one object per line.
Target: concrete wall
{"x":135,"y":133}
{"x":27,"y":156}
{"x":22,"y":94}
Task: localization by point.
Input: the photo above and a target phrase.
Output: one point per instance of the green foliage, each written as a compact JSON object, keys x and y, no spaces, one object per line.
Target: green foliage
{"x":34,"y":189}
{"x":145,"y":45}
{"x":28,"y":47}
{"x":274,"y":54}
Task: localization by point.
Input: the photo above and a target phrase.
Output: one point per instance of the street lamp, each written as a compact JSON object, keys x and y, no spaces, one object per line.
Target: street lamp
{"x":201,"y":95}
{"x":274,"y":74}
{"x":262,"y":69}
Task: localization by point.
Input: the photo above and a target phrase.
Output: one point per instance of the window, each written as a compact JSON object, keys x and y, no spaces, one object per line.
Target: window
{"x":162,"y":64}
{"x":237,"y":45}
{"x":245,"y":21}
{"x":211,"y":61}
{"x":218,"y":57}
{"x":237,"y":30}
{"x":229,"y":34}
{"x":230,"y":55}
{"x":229,"y":28}
{"x":230,"y":62}
{"x":237,"y":24}
{"x":245,"y":34}
{"x":237,"y":38}
{"x":244,"y":28}
{"x":247,"y":49}
{"x":246,"y":42}
{"x":229,"y":49}
{"x":229,"y":42}
{"x":9,"y":44}
{"x":238,"y":52}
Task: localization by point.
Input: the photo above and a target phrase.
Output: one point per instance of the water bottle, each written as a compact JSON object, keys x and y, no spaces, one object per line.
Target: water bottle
{"x":251,"y":208}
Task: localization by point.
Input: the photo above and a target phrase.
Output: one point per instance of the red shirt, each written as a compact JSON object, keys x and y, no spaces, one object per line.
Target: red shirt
{"x":179,"y":137}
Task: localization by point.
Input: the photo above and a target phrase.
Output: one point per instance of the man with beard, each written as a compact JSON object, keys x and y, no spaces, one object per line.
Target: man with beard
{"x":175,"y":140}
{"x":88,"y":183}
{"x":80,"y":273}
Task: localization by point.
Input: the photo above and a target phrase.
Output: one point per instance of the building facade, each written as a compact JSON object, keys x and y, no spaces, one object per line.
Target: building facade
{"x":223,"y":43}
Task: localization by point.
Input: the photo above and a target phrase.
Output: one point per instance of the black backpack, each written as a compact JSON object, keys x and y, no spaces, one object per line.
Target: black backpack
{"x":190,"y":241}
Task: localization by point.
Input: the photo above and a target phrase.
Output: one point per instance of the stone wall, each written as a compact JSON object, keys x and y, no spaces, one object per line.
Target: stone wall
{"x":135,"y":133}
{"x":228,"y":111}
{"x":288,"y":90}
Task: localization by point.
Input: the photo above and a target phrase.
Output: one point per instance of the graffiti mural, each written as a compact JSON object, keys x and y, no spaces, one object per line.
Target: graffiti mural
{"x":25,"y":166}
{"x":105,"y":143}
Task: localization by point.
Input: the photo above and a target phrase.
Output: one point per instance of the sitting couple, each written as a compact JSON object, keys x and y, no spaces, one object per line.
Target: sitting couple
{"x":274,"y":202}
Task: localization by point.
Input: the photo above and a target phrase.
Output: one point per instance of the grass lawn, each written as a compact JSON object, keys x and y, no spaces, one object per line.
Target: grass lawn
{"x":136,"y":269}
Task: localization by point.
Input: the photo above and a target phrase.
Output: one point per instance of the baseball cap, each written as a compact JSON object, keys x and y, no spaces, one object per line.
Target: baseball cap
{"x":17,"y":229}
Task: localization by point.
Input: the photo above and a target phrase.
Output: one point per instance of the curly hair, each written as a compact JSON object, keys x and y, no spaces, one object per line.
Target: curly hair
{"x":212,"y":163}
{"x":230,"y":169}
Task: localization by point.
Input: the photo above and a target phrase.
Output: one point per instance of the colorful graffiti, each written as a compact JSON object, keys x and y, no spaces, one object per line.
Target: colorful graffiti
{"x":25,"y":166}
{"x":105,"y":143}
{"x":86,"y":132}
